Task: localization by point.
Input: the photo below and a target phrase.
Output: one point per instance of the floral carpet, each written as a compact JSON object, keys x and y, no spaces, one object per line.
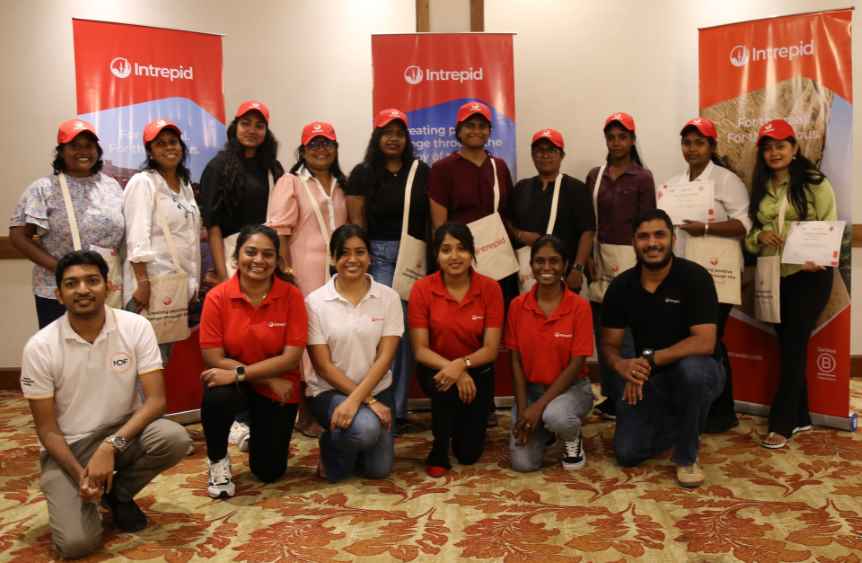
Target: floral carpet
{"x":802,"y":503}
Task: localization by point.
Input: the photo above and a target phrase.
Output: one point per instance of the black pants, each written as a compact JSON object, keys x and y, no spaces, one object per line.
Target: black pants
{"x":722,"y":413}
{"x":48,"y":310}
{"x":271,"y":427}
{"x":803,"y":297}
{"x":457,"y":423}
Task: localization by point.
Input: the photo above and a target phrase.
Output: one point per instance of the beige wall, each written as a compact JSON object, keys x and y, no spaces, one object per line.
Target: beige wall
{"x":576,"y":61}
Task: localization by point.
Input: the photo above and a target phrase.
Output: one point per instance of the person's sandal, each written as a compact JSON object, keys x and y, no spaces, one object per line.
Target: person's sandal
{"x":773,"y":441}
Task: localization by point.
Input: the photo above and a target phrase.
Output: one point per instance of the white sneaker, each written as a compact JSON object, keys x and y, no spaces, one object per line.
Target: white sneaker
{"x":220,"y":483}
{"x":239,"y":435}
{"x":574,"y":456}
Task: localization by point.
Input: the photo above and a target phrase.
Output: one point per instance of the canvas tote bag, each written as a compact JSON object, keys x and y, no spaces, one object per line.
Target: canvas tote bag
{"x":767,"y":280}
{"x":525,"y":271}
{"x":722,"y":258}
{"x":111,"y":255}
{"x":610,"y":260}
{"x":495,"y":256}
{"x":410,"y":265}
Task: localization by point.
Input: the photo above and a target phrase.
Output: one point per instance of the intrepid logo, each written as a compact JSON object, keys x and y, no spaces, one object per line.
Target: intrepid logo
{"x":414,"y":74}
{"x":741,"y":55}
{"x":121,"y":67}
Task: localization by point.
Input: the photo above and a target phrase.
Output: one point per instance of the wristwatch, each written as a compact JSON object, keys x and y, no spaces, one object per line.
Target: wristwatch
{"x":649,"y":355}
{"x":239,"y":372}
{"x":120,"y":444}
{"x":579,"y":268}
{"x":467,"y":362}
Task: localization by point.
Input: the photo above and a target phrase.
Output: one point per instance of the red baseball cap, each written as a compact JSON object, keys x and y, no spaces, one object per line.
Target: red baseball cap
{"x":777,"y":129}
{"x":253,"y":105}
{"x":71,"y":128}
{"x":318,"y":129}
{"x":470,"y":109}
{"x":387,"y":116}
{"x":702,"y":124}
{"x":554,"y":136}
{"x":153,"y":128}
{"x":623,"y":119}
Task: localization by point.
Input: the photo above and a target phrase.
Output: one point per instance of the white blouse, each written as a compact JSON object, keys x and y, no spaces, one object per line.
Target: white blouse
{"x":145,"y":240}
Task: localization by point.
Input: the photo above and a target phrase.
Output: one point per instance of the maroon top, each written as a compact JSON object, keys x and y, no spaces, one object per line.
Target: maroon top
{"x":467,"y":190}
{"x":621,"y":201}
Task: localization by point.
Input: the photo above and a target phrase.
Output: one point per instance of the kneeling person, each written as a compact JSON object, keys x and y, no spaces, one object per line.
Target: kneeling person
{"x":81,"y":375}
{"x":550,"y":333}
{"x":671,"y":306}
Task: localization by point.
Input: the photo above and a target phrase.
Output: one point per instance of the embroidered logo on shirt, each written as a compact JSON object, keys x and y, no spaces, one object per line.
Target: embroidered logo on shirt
{"x":273,"y":324}
{"x":671,"y":300}
{"x":562,"y":335}
{"x":477,"y":317}
{"x":120,"y":361}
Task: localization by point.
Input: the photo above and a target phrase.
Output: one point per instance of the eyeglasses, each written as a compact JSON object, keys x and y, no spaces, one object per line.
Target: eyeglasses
{"x":320,"y":144}
{"x":547,"y":149}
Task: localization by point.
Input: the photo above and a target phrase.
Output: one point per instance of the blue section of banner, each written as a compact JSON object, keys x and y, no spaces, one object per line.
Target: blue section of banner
{"x":120,"y":134}
{"x":433,"y":133}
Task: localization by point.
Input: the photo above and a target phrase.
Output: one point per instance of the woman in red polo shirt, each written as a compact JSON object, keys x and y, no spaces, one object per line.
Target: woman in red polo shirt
{"x":550,"y":333}
{"x":456,"y":319}
{"x":253,"y":331}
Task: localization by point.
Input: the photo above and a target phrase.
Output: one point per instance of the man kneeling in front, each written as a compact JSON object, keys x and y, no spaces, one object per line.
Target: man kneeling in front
{"x":671,"y":306}
{"x":102,"y":439}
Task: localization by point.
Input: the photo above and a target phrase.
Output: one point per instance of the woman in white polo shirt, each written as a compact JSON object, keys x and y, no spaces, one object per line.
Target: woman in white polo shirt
{"x":729,"y":220}
{"x":354,"y":327}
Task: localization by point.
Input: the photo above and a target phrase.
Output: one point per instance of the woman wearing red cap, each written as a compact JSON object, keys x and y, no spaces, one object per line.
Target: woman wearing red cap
{"x":786,"y":184}
{"x":621,"y":189}
{"x":552,"y":203}
{"x":236,"y":183}
{"x":307,"y":206}
{"x":90,"y":219}
{"x":376,"y":195}
{"x":163,"y":225}
{"x":728,"y":220}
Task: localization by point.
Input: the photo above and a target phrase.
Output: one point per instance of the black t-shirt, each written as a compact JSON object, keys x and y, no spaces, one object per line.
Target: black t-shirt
{"x":530,"y":209}
{"x":255,"y":195}
{"x":384,"y":200}
{"x":658,"y":320}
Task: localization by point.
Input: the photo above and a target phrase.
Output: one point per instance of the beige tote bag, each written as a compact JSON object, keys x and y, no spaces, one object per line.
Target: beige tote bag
{"x":767,"y":280}
{"x":722,"y":258}
{"x":526,"y":281}
{"x":495,"y":256}
{"x":410,"y":265}
{"x":609,"y":260}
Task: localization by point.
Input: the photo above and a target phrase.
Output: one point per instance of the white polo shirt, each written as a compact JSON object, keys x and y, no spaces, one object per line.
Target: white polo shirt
{"x":93,"y":385}
{"x":352,"y":332}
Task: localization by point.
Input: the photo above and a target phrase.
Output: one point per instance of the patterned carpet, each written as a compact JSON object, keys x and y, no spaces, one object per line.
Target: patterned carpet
{"x":803,"y":503}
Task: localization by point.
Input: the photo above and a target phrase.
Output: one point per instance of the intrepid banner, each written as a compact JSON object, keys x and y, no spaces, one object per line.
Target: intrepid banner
{"x":796,"y":68}
{"x":429,"y":76}
{"x":129,"y":75}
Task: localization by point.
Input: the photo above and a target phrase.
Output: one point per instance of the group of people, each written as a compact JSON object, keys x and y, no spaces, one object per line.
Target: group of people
{"x":306,"y":308}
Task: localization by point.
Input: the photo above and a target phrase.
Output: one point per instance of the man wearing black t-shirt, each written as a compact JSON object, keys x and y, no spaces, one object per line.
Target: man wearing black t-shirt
{"x":671,"y":307}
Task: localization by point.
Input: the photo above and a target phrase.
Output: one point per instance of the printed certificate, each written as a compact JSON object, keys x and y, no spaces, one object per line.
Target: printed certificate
{"x":693,"y":201}
{"x":813,"y":241}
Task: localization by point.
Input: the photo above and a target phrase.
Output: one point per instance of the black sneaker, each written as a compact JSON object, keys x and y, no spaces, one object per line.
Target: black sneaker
{"x":127,"y":516}
{"x":718,"y":425}
{"x":607,"y":409}
{"x":574,"y":456}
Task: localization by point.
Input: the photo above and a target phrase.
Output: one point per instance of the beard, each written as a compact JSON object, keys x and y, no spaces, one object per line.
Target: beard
{"x":654,"y":265}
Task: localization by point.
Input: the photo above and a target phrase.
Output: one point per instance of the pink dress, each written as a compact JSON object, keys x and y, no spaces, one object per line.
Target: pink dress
{"x":291,"y":213}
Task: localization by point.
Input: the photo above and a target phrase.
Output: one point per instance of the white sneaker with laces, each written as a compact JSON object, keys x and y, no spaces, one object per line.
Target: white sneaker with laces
{"x":238,"y":430}
{"x":574,"y":456}
{"x":220,"y":483}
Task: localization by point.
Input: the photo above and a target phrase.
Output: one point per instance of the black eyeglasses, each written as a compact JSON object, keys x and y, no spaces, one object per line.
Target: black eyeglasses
{"x":325,"y":144}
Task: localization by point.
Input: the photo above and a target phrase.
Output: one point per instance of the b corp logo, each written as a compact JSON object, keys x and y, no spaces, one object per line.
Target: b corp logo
{"x":739,"y":56}
{"x":826,"y":362}
{"x":413,"y":75}
{"x":121,"y":67}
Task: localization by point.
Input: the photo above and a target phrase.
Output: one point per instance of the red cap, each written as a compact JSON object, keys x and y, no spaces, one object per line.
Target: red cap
{"x":702,"y":124}
{"x":624,"y":119}
{"x":253,"y":105}
{"x":318,"y":129}
{"x":777,"y":129}
{"x":552,"y":135}
{"x":71,"y":128}
{"x":470,"y":109}
{"x":387,"y":116}
{"x":153,"y":128}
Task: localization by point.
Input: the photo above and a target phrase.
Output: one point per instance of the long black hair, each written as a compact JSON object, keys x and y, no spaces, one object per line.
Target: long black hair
{"x":231,"y":184}
{"x":250,"y":230}
{"x":803,"y":175}
{"x":182,"y":170}
{"x":334,"y":168}
{"x":713,"y":145}
{"x":59,"y":165}
{"x":374,"y":158}
{"x":634,"y":150}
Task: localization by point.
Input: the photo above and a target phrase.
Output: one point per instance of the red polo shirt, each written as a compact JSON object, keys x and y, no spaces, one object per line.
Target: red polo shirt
{"x":467,"y":190}
{"x":250,"y":335}
{"x":455,"y":329}
{"x":545,"y":343}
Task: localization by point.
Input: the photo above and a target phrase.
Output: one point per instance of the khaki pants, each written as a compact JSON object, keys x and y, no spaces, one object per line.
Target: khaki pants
{"x":76,"y":526}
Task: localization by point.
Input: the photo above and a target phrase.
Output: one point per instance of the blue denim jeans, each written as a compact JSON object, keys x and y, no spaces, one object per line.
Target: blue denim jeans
{"x":366,"y":447}
{"x":612,"y":383}
{"x":672,"y":413}
{"x":562,"y":416}
{"x":382,"y":269}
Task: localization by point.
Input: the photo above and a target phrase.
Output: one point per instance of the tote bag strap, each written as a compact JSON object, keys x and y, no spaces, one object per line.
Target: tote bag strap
{"x":496,"y":185}
{"x":169,"y":237}
{"x":596,"y":185}
{"x":324,"y":231}
{"x":782,"y":210}
{"x":70,"y":212}
{"x":555,"y":200}
{"x":408,"y":190}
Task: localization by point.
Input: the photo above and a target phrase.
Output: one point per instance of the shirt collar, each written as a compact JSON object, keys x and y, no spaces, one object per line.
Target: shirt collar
{"x":565,"y":307}
{"x":331,"y":294}
{"x":68,"y":333}
{"x":278,"y":290}
{"x":438,"y":287}
{"x":633,"y":169}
